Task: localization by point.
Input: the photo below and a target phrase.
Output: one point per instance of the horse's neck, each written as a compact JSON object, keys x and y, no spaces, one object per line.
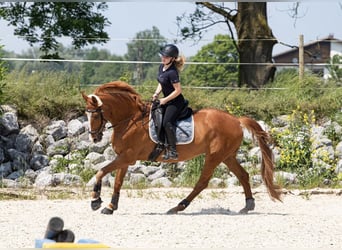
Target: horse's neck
{"x":122,"y":113}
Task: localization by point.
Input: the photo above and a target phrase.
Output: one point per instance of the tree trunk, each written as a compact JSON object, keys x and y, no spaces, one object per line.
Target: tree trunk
{"x":255,"y":44}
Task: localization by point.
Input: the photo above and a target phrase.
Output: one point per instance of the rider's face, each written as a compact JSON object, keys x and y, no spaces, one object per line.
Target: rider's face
{"x":166,"y":59}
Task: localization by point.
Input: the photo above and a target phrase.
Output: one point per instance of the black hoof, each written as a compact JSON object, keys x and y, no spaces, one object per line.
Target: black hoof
{"x":172,"y":211}
{"x":96,"y":204}
{"x":250,"y":205}
{"x":107,"y":211}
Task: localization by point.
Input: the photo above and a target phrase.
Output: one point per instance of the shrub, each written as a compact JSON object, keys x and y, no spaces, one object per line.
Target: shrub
{"x":75,"y":165}
{"x":297,"y":154}
{"x":44,"y":95}
{"x":3,"y":71}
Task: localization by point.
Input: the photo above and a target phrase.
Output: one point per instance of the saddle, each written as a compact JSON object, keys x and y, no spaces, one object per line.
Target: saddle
{"x":184,"y":127}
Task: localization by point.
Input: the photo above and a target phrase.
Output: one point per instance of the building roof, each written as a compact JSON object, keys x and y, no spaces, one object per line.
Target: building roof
{"x":314,"y":52}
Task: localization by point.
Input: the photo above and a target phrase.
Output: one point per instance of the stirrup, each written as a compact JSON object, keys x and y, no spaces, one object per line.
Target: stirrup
{"x":170,"y":154}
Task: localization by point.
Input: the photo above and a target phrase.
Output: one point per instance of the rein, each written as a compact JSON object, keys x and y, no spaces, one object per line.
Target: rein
{"x":103,"y":121}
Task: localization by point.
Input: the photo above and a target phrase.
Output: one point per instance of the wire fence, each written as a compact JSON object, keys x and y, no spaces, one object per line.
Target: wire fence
{"x":188,"y":62}
{"x":150,"y":62}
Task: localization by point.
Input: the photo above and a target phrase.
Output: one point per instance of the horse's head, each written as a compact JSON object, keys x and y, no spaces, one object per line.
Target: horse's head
{"x":95,"y":117}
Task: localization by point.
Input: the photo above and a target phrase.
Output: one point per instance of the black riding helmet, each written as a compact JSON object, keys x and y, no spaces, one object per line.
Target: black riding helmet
{"x":169,"y":50}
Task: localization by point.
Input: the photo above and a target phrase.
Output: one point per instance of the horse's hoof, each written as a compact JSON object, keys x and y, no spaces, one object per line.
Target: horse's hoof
{"x":107,"y":211}
{"x":96,"y":204}
{"x":250,"y":205}
{"x":172,"y":211}
{"x":243,"y":211}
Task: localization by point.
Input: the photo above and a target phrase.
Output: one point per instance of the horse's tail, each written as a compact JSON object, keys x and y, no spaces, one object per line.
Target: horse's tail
{"x":267,"y":161}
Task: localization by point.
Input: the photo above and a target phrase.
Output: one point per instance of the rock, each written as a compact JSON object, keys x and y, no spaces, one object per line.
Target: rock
{"x":8,"y":123}
{"x":338,"y":150}
{"x":8,"y":141}
{"x":2,"y":155}
{"x":26,"y":139}
{"x":232,"y":181}
{"x":75,"y":127}
{"x":149,"y":170}
{"x":46,"y":140}
{"x":66,"y":179}
{"x":31,"y":175}
{"x":35,"y":158}
{"x":95,"y":158}
{"x":98,"y":147}
{"x":38,"y":148}
{"x":99,"y":165}
{"x":161,"y":182}
{"x":59,"y":147}
{"x":16,"y":174}
{"x":19,"y":159}
{"x":82,"y":144}
{"x":109,"y":153}
{"x":5,"y":169}
{"x":43,"y":179}
{"x":288,"y":178}
{"x":281,"y":121}
{"x":255,"y":153}
{"x":39,"y":161}
{"x":108,"y":181}
{"x":338,"y":169}
{"x":57,"y":129}
{"x":137,"y":179}
{"x":160,"y":173}
{"x":216,"y":183}
{"x":256,"y":179}
{"x":10,"y":183}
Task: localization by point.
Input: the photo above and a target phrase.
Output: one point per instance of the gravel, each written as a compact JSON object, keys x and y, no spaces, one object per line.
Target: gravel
{"x":304,"y":219}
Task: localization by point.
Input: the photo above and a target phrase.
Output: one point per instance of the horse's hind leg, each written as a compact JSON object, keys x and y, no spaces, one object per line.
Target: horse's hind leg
{"x":243,"y":177}
{"x":113,"y":205}
{"x":202,"y":183}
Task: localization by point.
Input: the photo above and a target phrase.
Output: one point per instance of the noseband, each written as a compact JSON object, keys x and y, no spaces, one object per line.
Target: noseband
{"x":103,"y":123}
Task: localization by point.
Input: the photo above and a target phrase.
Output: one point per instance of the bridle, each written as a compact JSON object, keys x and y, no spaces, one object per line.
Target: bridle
{"x":103,"y":121}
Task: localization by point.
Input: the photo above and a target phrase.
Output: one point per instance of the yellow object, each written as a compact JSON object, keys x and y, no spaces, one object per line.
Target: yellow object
{"x":74,"y":245}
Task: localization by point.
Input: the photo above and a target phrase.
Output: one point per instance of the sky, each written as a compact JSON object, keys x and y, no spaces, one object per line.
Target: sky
{"x":318,"y":19}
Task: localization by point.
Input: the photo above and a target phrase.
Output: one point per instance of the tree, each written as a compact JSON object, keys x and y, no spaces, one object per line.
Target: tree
{"x":255,"y":40}
{"x":222,"y":73}
{"x":144,"y":47}
{"x":43,"y":22}
{"x":98,"y":73}
{"x":334,"y":67}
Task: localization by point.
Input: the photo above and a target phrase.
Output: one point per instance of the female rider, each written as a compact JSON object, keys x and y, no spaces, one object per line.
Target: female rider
{"x":173,"y":100}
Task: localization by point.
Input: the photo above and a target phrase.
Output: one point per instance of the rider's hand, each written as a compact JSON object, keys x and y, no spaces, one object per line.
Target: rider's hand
{"x":154,"y":97}
{"x":162,"y":101}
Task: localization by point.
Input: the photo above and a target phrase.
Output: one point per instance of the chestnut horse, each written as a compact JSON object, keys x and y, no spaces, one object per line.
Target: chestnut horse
{"x":218,"y":135}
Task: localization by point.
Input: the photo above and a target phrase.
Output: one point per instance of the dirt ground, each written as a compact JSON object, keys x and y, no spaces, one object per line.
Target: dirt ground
{"x":305,"y":219}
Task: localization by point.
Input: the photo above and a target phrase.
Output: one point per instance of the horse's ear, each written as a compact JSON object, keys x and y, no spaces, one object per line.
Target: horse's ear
{"x":95,"y":101}
{"x":85,"y":97}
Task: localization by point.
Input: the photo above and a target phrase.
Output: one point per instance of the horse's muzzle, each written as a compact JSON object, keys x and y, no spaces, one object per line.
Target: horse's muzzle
{"x":96,"y":137}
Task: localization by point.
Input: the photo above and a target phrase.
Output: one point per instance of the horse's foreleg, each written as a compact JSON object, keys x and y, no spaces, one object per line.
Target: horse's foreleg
{"x":96,"y":196}
{"x":201,"y":184}
{"x":234,"y":166}
{"x":113,"y":205}
{"x":96,"y":193}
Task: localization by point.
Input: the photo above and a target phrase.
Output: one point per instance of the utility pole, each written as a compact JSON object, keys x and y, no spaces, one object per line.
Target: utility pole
{"x":301,"y":57}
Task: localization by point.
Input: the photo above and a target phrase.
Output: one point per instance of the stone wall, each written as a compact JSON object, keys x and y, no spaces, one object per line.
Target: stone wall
{"x":27,"y":157}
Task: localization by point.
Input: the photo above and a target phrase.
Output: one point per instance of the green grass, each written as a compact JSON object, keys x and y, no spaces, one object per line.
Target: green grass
{"x":42,"y":96}
{"x":56,"y":95}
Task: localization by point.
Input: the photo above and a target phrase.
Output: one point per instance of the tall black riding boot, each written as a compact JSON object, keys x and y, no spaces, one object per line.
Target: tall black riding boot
{"x":171,"y":152}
